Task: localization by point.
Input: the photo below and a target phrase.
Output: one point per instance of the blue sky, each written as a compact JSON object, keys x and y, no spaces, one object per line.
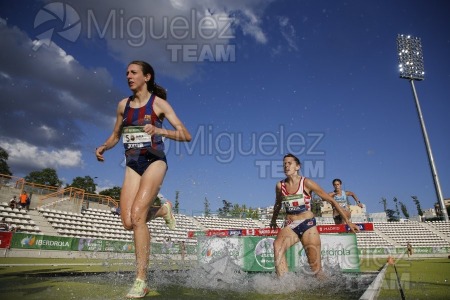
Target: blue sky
{"x":251,"y":80}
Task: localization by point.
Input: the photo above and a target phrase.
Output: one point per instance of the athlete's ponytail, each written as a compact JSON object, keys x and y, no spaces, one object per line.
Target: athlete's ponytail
{"x":152,"y":87}
{"x":158,"y":90}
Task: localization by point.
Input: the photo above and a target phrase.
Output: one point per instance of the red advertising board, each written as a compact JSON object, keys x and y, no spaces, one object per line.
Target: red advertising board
{"x":343,"y":228}
{"x":5,"y":239}
{"x":271,"y":232}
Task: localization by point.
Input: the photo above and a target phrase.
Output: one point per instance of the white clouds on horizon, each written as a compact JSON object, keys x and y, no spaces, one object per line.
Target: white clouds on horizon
{"x":25,"y":156}
{"x":46,"y":96}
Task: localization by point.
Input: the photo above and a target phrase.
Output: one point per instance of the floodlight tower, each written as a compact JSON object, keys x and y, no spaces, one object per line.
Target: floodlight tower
{"x":410,"y":59}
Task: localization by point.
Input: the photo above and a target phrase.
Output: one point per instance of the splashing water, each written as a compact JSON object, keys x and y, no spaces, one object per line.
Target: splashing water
{"x":232,"y":279}
{"x":222,"y":276}
{"x":171,"y":278}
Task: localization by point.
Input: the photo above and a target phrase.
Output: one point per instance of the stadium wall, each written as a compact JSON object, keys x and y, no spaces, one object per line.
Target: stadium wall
{"x":46,"y":246}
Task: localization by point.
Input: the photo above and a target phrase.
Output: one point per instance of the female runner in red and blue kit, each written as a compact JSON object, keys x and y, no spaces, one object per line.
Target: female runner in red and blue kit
{"x":139,"y":124}
{"x":294,"y":195}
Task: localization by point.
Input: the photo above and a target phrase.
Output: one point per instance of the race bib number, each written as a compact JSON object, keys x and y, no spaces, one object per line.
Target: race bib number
{"x":135,"y":137}
{"x":294,"y":203}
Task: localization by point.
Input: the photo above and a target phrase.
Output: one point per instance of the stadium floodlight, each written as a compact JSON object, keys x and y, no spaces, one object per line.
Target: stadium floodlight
{"x":410,"y":58}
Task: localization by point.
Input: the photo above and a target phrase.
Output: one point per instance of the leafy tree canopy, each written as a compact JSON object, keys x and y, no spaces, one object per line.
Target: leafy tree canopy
{"x":4,"y":168}
{"x":391,"y":215}
{"x":404,"y":210}
{"x":176,"y":207}
{"x":225,"y":210}
{"x":417,"y":203}
{"x":85,"y":183}
{"x":113,"y":192}
{"x":46,"y":176}
{"x":207,"y":209}
{"x":237,"y":211}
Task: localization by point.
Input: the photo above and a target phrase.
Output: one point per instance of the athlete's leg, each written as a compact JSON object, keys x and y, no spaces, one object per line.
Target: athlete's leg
{"x":130,"y":187}
{"x":338,"y":218}
{"x":285,"y":239}
{"x":311,"y":243}
{"x":150,"y":184}
{"x":156,"y":211}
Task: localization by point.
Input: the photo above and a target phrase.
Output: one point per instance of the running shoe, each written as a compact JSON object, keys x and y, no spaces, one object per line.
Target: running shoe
{"x":138,"y":290}
{"x":169,"y":218}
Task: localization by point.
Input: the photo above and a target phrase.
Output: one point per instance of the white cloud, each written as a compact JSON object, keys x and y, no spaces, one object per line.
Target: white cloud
{"x":48,"y":92}
{"x":47,"y":132}
{"x":179,"y":4}
{"x":64,"y":56}
{"x":288,"y":32}
{"x":23,"y":154}
{"x":289,"y":37}
{"x":158,"y":31}
{"x":50,"y":102}
{"x":252,"y":27}
{"x":4,"y":75}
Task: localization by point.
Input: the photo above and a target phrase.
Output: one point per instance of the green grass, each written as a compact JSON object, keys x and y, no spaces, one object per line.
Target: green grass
{"x":59,"y":265}
{"x":420,"y":279}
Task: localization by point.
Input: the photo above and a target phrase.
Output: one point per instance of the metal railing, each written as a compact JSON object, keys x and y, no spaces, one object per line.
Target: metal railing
{"x":78,"y":196}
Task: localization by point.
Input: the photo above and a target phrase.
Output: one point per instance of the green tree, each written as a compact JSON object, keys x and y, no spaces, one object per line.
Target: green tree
{"x":157,"y":201}
{"x":316,"y":205}
{"x":404,"y":210}
{"x":236,"y":211}
{"x":113,"y":192}
{"x":176,"y":208}
{"x":252,"y":213}
{"x":46,"y":176}
{"x":225,"y":210}
{"x":391,"y":215}
{"x":384,"y":201}
{"x":417,"y":203}
{"x":85,"y":183}
{"x":207,"y":210}
{"x":4,"y":168}
{"x":396,"y":207}
{"x":244,"y":211}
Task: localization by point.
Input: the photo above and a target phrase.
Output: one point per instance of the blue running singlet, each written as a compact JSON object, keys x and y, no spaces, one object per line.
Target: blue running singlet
{"x":141,"y":149}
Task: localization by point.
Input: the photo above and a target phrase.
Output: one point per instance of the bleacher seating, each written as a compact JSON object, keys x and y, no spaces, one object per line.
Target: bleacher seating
{"x":19,"y":218}
{"x":442,"y":227}
{"x":227,"y":223}
{"x":371,"y":239}
{"x":266,"y":222}
{"x":414,"y":232}
{"x":98,"y":223}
